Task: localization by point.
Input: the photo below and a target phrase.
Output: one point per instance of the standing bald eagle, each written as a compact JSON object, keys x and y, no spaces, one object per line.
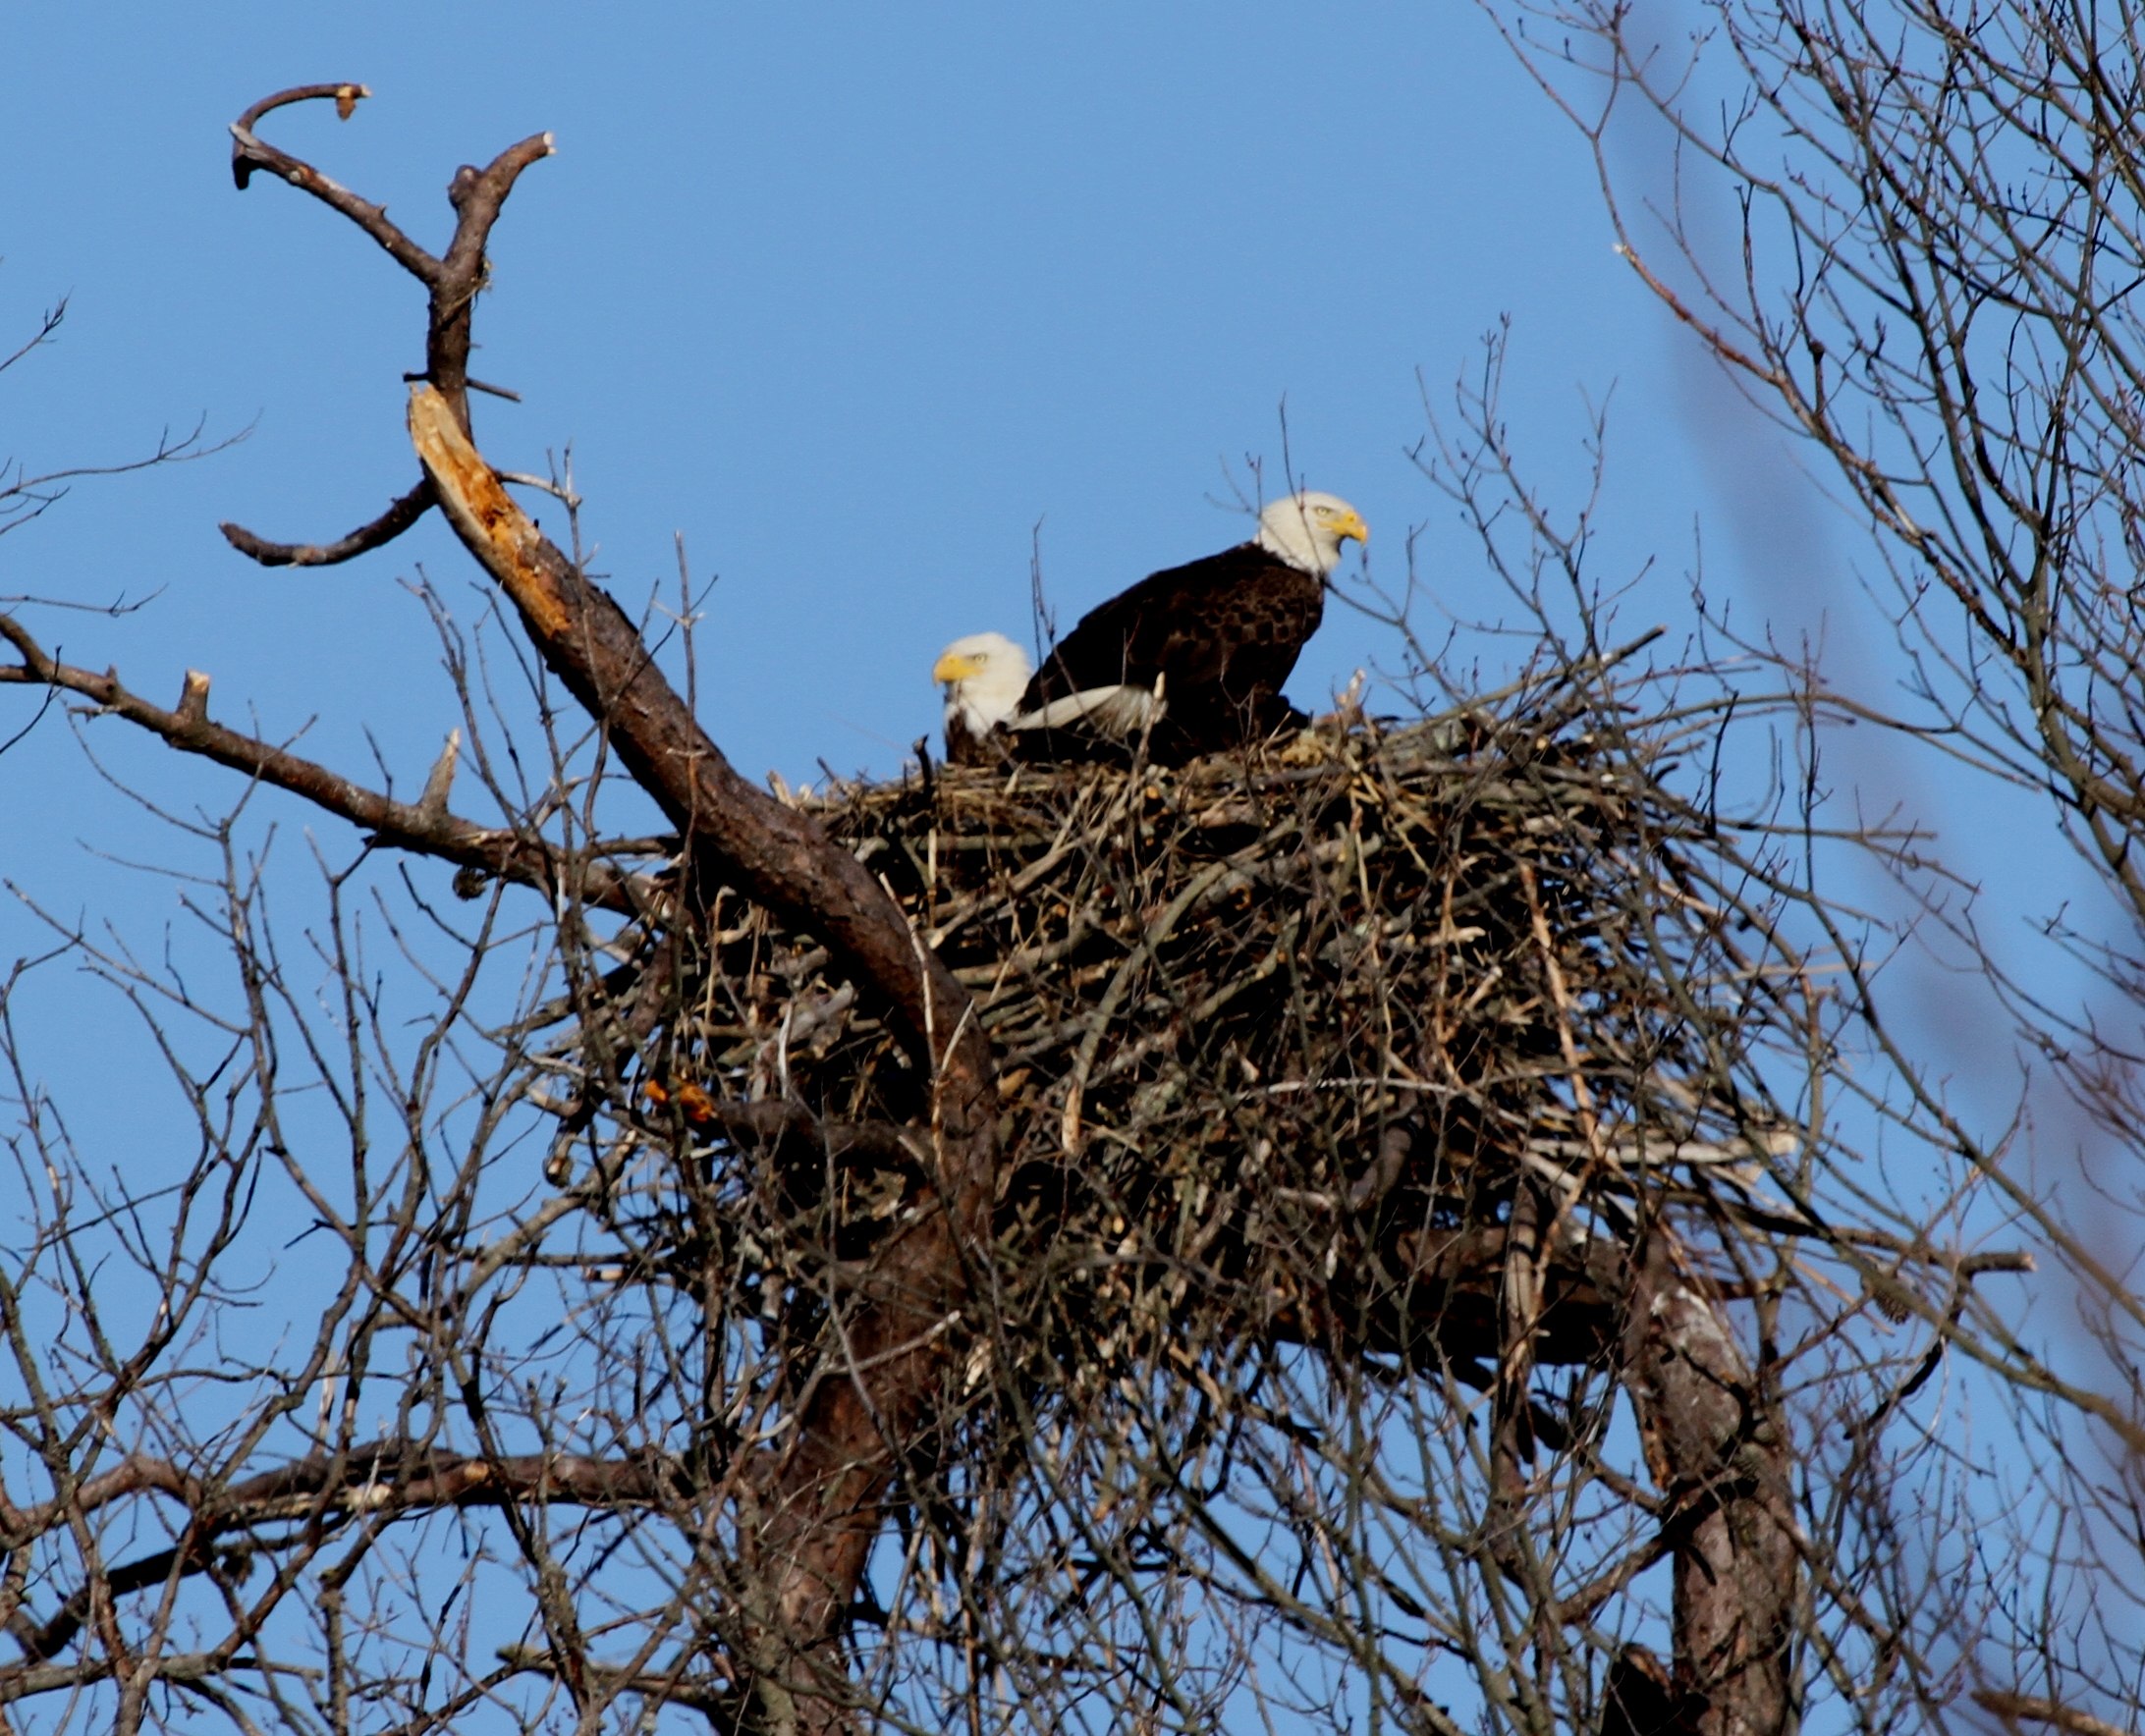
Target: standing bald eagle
{"x":984,"y":674}
{"x":1199,"y":652}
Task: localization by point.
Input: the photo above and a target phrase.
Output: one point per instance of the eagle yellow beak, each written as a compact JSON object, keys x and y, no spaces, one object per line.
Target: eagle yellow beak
{"x":1352,"y":525}
{"x":953,"y":667}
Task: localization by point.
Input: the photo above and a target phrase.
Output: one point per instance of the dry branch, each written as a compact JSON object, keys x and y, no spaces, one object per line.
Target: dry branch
{"x":424,"y":826}
{"x":401,"y":514}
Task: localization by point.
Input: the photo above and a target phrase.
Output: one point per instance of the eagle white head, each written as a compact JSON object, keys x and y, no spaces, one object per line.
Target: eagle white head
{"x":984,"y":675}
{"x":1307,"y":529}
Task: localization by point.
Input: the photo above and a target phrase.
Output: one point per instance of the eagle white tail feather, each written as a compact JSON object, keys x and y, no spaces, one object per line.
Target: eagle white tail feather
{"x":1120,"y":710}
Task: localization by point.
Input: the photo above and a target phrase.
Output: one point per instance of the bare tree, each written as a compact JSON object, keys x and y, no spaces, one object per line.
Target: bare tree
{"x":1349,"y":1232}
{"x":1933,"y":287}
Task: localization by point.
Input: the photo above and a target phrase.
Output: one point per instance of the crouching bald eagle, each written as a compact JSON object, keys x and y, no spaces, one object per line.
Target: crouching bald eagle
{"x":1197,"y":653}
{"x":984,"y":675}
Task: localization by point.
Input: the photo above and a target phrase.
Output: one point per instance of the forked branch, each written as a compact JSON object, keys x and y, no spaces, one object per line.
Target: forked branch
{"x":818,"y":1505}
{"x":452,"y":283}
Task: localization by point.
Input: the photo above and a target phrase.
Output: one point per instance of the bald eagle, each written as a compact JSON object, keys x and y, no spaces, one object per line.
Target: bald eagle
{"x":1198,"y":653}
{"x":984,"y":675}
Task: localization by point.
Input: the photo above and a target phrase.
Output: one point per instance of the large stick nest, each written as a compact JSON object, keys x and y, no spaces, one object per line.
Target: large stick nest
{"x":1282,"y":1036}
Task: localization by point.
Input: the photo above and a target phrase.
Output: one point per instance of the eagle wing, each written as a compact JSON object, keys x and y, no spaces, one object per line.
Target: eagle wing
{"x":1228,"y":626}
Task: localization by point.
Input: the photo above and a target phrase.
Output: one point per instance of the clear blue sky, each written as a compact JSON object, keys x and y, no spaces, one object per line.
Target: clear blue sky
{"x":853,"y":298}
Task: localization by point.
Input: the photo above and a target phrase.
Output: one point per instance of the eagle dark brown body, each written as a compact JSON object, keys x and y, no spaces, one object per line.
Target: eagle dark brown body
{"x":1219,"y":634}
